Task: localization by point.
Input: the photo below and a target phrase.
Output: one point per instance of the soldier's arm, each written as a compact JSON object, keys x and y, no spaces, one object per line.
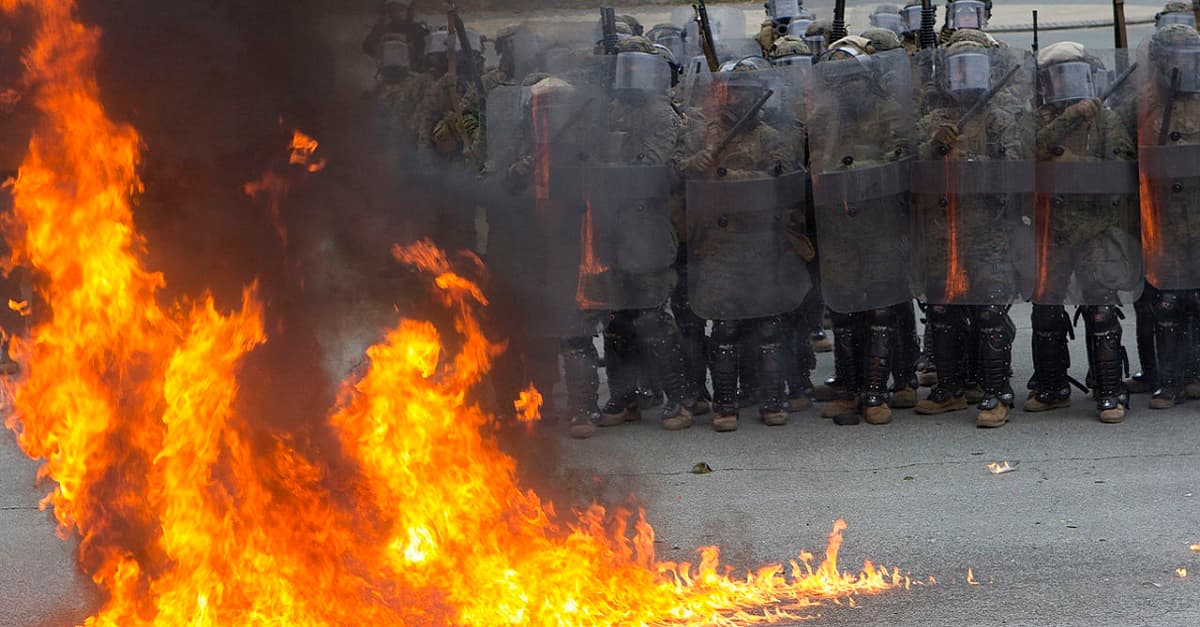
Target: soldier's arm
{"x":1117,"y":141}
{"x":1053,"y":131}
{"x":1006,"y":129}
{"x":661,"y":142}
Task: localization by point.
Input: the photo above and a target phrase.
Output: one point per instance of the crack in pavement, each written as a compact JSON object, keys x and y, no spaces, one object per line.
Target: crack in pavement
{"x":900,"y":467}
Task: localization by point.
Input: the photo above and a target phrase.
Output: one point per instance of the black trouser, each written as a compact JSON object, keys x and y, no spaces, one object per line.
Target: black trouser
{"x":952,"y":328}
{"x":644,"y":342}
{"x":771,"y":361}
{"x":1172,"y":309}
{"x":692,"y":340}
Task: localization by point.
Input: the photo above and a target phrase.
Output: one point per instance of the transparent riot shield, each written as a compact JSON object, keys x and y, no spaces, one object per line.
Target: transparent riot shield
{"x":973,"y":180}
{"x":861,"y":160}
{"x":506,"y":114}
{"x":1088,"y":240}
{"x":1169,"y":161}
{"x":628,"y":241}
{"x":745,"y":197}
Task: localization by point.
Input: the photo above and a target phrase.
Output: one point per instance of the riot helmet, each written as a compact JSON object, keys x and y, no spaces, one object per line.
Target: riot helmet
{"x":670,"y":37}
{"x":642,"y":71}
{"x":911,"y":17}
{"x":1065,"y":74}
{"x":799,"y":24}
{"x":739,"y":88}
{"x":817,"y":36}
{"x":393,"y":57}
{"x":1175,"y":12}
{"x":882,"y":39}
{"x":848,"y":68}
{"x":968,"y":70}
{"x":789,"y":50}
{"x":888,"y":16}
{"x":967,"y":14}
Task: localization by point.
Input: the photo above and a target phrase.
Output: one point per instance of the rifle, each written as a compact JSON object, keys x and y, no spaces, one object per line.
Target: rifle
{"x":743,"y":123}
{"x":1120,"y":35}
{"x":707,"y":45}
{"x":1037,"y":78}
{"x":475,"y":74}
{"x":1117,"y":83}
{"x":452,"y":73}
{"x":838,"y":30}
{"x":608,"y":22}
{"x":928,"y":21}
{"x":979,"y":104}
{"x":1165,"y":129}
{"x":1196,"y":10}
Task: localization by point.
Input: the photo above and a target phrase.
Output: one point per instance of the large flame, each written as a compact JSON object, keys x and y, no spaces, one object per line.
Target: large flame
{"x":190,"y":513}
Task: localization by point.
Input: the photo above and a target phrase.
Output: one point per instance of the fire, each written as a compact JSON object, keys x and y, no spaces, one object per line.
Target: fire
{"x":188,"y":511}
{"x":1043,"y":217}
{"x":956,"y":273}
{"x":304,"y":150}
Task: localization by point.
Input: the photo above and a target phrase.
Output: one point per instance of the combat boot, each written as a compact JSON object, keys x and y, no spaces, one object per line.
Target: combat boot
{"x":724,"y":423}
{"x":1108,"y":362}
{"x":906,"y":354}
{"x":773,"y":355}
{"x":1050,"y":388}
{"x":583,"y":425}
{"x":582,"y":383}
{"x":992,"y":413}
{"x":877,"y":364}
{"x":724,"y":365}
{"x":942,"y":399}
{"x":676,"y":417}
{"x":845,"y":341}
{"x":1170,"y":338}
{"x":843,"y":410}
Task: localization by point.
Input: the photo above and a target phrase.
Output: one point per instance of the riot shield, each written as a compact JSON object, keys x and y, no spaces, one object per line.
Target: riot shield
{"x":973,"y":179}
{"x":628,"y":240}
{"x":1088,"y":240}
{"x":745,"y":209}
{"x":1169,"y":161}
{"x":861,"y":161}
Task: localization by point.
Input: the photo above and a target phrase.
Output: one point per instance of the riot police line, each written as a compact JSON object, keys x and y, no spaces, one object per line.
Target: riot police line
{"x":704,"y":221}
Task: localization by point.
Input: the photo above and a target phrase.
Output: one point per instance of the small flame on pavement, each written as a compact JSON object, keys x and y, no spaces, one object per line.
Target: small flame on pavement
{"x":1196,"y":548}
{"x":999,"y":468}
{"x":1181,"y":572}
{"x":529,"y":405}
{"x":971,"y":577}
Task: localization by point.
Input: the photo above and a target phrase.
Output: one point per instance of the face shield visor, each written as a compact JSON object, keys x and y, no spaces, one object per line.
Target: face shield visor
{"x":911,"y":18}
{"x":783,"y":9}
{"x":1163,"y":19}
{"x":1187,"y":61}
{"x":738,"y":92}
{"x":816,"y":43}
{"x":642,"y":72}
{"x":1065,"y":83}
{"x":967,"y":14}
{"x":968,"y":75}
{"x":798,"y":26}
{"x":393,"y":57}
{"x":891,"y":21}
{"x":671,"y":40}
{"x":793,"y":60}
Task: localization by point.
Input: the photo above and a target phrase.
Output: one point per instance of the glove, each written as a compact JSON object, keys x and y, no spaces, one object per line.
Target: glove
{"x":802,"y":245}
{"x":701,"y":161}
{"x":945,"y":135}
{"x":1083,"y":110}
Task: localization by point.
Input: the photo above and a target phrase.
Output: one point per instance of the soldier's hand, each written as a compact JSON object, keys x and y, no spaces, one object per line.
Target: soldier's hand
{"x":703,"y":160}
{"x":521,"y":168}
{"x":945,"y":135}
{"x":1084,"y":109}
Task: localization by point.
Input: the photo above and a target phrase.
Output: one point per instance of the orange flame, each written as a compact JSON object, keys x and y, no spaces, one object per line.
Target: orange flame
{"x":189,"y":512}
{"x":956,"y":273}
{"x":529,"y":405}
{"x":304,"y":150}
{"x":1044,"y":207}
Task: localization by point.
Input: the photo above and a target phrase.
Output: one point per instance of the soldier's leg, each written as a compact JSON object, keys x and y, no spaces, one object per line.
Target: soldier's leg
{"x":906,"y":351}
{"x":877,"y":363}
{"x":658,"y":341}
{"x":1170,"y":317}
{"x":996,"y":334}
{"x":748,"y":392}
{"x":801,"y":362}
{"x":1108,"y":361}
{"x":813,"y":307}
{"x":1192,"y":380}
{"x":772,"y":369}
{"x":620,"y":364}
{"x":582,"y":383}
{"x":724,"y":362}
{"x":693,"y":343}
{"x":1049,"y":387}
{"x":848,"y":332}
{"x":1146,"y":381}
{"x":948,"y":325}
{"x":970,"y":363}
{"x":927,"y":371}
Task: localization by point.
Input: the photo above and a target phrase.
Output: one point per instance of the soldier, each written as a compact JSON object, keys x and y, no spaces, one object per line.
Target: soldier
{"x":910,"y":30}
{"x":860,"y":191}
{"x":743,"y":187}
{"x":790,"y":54}
{"x":964,"y":14}
{"x":1169,"y":130}
{"x":972,"y":191}
{"x":888,"y":16}
{"x":1088,"y":249}
{"x":397,"y":18}
{"x":398,"y":94}
{"x":780,"y":15}
{"x":629,"y":244}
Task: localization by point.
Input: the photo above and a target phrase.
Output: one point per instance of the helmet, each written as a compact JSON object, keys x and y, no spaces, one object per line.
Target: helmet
{"x":789,"y":50}
{"x":846,"y":48}
{"x":782,"y":9}
{"x":968,"y":14}
{"x":440,"y":42}
{"x":882,"y":39}
{"x":800,"y":22}
{"x":1175,"y":12}
{"x":739,"y":86}
{"x":745,"y":64}
{"x":968,"y":70}
{"x":817,"y":36}
{"x":642,"y":71}
{"x":974,"y":36}
{"x":635,"y":27}
{"x":1176,"y":47}
{"x":888,"y":16}
{"x":669,"y":36}
{"x":910,"y":15}
{"x":1065,"y":73}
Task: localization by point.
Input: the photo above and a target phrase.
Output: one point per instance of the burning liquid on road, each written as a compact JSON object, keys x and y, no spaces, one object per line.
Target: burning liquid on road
{"x":188,"y":512}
